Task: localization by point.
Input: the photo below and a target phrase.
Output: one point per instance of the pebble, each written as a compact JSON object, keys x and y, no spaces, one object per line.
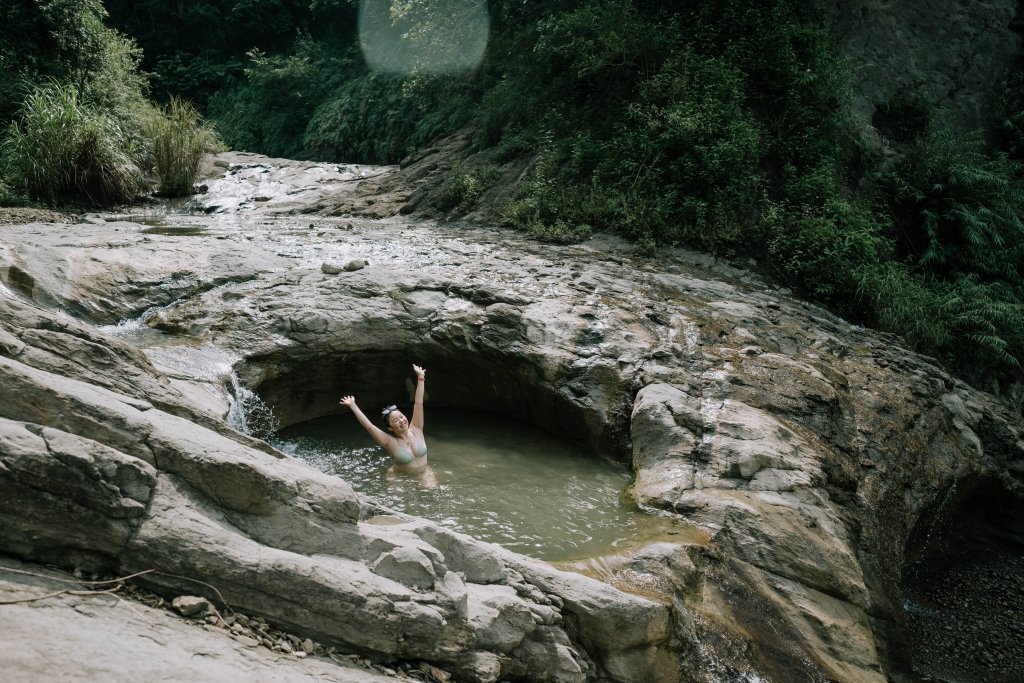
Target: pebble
{"x":190,"y":605}
{"x":964,"y":620}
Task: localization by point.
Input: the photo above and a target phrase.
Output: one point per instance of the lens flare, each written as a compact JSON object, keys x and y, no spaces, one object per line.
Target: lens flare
{"x":423,"y":36}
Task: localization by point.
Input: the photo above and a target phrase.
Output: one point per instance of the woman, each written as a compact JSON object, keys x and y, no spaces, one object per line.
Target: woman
{"x":405,"y":442}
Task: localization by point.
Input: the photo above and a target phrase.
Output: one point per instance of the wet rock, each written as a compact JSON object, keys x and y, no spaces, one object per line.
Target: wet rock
{"x":356,"y":264}
{"x":331,"y":269}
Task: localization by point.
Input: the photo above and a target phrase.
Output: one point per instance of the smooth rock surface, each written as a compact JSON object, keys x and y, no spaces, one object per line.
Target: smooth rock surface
{"x":107,"y":638}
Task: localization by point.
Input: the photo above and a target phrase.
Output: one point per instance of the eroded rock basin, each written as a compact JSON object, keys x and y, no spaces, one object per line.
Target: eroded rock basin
{"x":806,"y":450}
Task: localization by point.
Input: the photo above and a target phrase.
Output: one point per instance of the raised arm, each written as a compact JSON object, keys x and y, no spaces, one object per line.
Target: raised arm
{"x":379,"y":435}
{"x":417,"y":406}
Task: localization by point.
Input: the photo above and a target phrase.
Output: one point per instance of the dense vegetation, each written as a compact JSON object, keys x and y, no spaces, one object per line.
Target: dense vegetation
{"x":75,"y":122}
{"x":722,"y":125}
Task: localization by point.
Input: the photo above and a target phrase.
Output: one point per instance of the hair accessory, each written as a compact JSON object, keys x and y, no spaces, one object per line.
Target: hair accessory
{"x":384,"y":413}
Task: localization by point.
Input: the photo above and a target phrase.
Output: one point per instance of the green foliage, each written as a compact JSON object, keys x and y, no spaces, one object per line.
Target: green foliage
{"x":72,"y":105}
{"x":378,"y":118}
{"x":60,"y":149}
{"x":178,"y":138}
{"x":978,"y":328}
{"x":8,"y":197}
{"x":195,"y":49}
{"x":685,"y":167}
{"x":463,"y":188}
{"x":820,"y":241}
{"x":545,"y":208}
{"x":1011,"y":110}
{"x":957,"y":208}
{"x":63,"y":40}
{"x":268,"y":112}
{"x":670,"y":128}
{"x":823,"y":249}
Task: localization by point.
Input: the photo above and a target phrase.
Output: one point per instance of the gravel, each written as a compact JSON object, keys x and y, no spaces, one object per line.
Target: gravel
{"x":967,"y":619}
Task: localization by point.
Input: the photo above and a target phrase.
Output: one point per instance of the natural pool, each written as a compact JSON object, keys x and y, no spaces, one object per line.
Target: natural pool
{"x":499,"y":480}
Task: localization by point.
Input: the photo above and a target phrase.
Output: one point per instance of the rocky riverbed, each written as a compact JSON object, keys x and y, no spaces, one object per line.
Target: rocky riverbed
{"x":808,"y":451}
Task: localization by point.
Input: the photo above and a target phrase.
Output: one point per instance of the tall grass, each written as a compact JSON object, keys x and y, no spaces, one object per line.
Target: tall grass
{"x":179,"y":138}
{"x":60,"y":149}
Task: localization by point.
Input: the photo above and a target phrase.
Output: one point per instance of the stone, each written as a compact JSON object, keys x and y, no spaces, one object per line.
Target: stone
{"x":356,"y":264}
{"x":436,"y":674}
{"x":190,"y":605}
{"x":406,"y":565}
{"x":137,"y":642}
{"x":331,"y":269}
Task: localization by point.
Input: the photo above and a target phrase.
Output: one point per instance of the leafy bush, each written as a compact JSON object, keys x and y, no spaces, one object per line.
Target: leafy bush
{"x":268,"y":112}
{"x":545,"y":208}
{"x":62,"y":150}
{"x":463,"y":188}
{"x":8,"y":197}
{"x":975,"y":327}
{"x":958,"y":208}
{"x":378,"y":118}
{"x":178,"y":138}
{"x":824,"y":249}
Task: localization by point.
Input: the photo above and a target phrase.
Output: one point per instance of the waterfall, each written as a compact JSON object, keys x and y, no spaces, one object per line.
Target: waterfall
{"x":248,"y":413}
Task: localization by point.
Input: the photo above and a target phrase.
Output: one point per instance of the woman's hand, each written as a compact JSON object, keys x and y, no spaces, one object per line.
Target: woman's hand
{"x":348,"y":401}
{"x":420,"y":372}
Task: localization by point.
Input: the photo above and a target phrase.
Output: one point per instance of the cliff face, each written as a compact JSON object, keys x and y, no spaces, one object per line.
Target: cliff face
{"x":954,"y":53}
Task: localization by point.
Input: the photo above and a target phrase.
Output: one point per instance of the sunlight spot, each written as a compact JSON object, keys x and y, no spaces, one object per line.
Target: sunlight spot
{"x":423,"y":36}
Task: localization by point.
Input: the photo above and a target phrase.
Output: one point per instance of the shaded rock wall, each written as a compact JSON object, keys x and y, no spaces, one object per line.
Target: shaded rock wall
{"x":954,"y":53}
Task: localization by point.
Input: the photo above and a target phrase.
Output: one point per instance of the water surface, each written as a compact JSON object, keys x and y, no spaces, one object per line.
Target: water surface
{"x":498,"y":480}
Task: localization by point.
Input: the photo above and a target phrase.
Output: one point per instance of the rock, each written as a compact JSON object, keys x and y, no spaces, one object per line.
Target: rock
{"x":331,"y":269}
{"x":406,"y":565}
{"x":137,"y":642}
{"x":356,"y":264}
{"x":436,"y":674}
{"x":190,"y":605}
{"x":807,"y":453}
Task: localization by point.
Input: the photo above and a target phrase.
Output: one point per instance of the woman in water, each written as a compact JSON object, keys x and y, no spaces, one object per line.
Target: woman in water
{"x":405,"y":442}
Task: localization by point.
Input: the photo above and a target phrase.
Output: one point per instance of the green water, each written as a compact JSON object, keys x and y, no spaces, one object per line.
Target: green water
{"x":498,"y":480}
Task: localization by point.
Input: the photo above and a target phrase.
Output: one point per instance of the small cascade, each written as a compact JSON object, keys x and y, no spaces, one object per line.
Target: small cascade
{"x":129,"y":326}
{"x":5,"y":291}
{"x":248,"y":412}
{"x":932,"y":530}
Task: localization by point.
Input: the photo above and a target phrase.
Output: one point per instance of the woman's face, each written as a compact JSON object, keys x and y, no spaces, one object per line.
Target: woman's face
{"x":397,"y":421}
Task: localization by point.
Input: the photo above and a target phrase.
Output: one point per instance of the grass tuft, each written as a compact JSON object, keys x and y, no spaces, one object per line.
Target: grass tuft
{"x":60,"y":149}
{"x":179,"y":138}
